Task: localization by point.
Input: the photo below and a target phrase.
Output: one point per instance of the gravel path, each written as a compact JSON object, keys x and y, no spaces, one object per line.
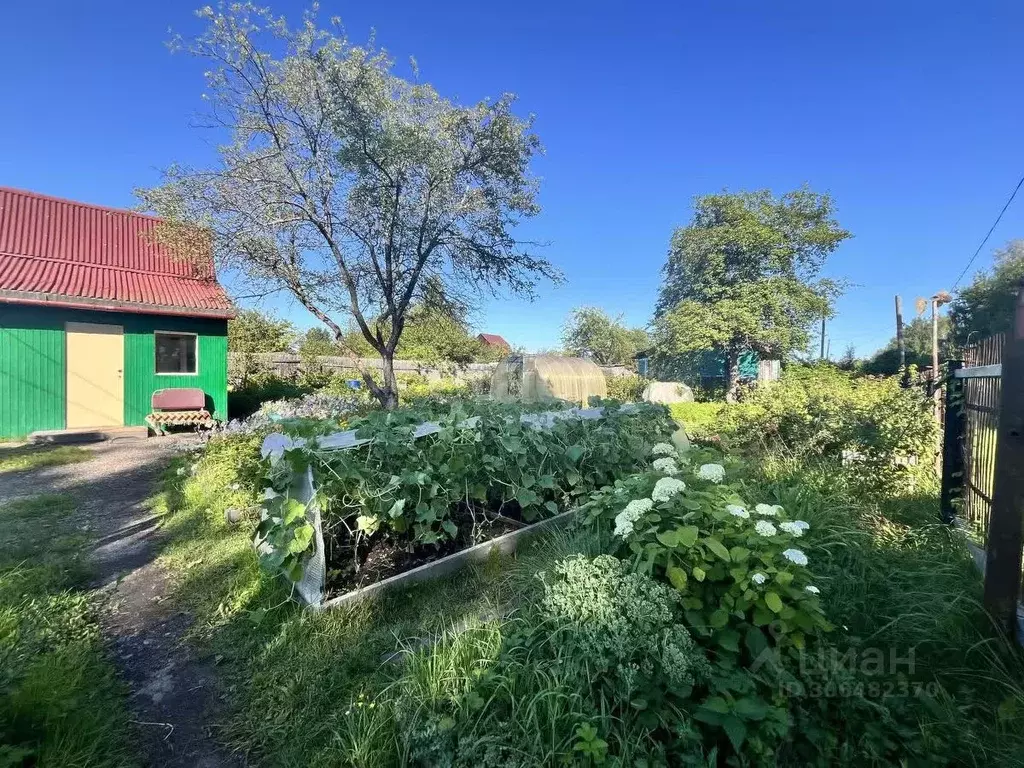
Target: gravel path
{"x":174,"y":694}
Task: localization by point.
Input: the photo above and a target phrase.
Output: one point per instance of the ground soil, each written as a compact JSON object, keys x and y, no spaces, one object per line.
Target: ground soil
{"x":174,"y":695}
{"x":383,"y":558}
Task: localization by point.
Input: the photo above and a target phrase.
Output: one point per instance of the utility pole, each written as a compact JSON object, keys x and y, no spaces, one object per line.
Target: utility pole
{"x":821,"y":355}
{"x":900,"y":344}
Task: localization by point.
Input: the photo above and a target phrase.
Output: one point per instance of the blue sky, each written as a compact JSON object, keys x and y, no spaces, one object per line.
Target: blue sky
{"x":908,"y":113}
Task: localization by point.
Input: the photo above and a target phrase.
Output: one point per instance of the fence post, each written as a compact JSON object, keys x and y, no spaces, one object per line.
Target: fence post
{"x":1003,"y":549}
{"x":952,"y":438}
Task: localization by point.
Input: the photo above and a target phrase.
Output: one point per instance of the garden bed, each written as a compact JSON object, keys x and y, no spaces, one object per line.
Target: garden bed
{"x":397,"y":494}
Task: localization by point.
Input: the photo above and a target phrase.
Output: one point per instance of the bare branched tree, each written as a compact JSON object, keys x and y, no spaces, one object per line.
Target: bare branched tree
{"x":355,"y":191}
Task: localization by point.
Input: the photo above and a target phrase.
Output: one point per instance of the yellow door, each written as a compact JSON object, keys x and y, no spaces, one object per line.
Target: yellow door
{"x":95,"y":386}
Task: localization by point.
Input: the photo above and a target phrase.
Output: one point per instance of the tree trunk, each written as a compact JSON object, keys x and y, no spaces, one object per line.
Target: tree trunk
{"x":388,"y":394}
{"x":732,"y":373}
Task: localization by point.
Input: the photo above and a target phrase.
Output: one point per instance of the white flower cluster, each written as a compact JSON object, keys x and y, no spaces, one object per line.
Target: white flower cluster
{"x":795,"y":556}
{"x":812,"y":589}
{"x":737,"y":511}
{"x":664,"y":449}
{"x":626,"y":518}
{"x":795,"y":527}
{"x":713,"y":472}
{"x":759,"y":578}
{"x":666,"y":465}
{"x":764,"y":528}
{"x":666,"y":488}
{"x":313,"y":406}
{"x":768,"y":510}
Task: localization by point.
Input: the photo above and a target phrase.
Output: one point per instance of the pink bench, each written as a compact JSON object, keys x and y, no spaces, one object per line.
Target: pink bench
{"x":178,"y":408}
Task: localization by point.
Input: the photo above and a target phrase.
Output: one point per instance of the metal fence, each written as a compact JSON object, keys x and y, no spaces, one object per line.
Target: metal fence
{"x":983,"y":463}
{"x":980,"y":389}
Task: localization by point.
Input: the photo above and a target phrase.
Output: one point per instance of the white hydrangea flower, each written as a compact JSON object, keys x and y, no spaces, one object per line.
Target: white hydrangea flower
{"x":768,"y":510}
{"x":795,"y":556}
{"x":759,"y":578}
{"x":638,"y":507}
{"x":795,"y":527}
{"x":765,"y":528}
{"x":812,"y":589}
{"x":626,"y":518}
{"x":666,"y":465}
{"x":664,"y":449}
{"x":713,"y":472}
{"x":623,"y":525}
{"x":737,"y":511}
{"x":235,"y":486}
{"x":181,"y":471}
{"x":666,"y":488}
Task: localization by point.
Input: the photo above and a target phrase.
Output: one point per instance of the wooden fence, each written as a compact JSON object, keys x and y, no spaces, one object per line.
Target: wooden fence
{"x":983,"y":461}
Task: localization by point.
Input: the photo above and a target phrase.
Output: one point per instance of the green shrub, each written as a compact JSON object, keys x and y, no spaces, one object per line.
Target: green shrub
{"x":883,"y":432}
{"x":699,"y":420}
{"x":626,"y":389}
{"x":622,"y":628}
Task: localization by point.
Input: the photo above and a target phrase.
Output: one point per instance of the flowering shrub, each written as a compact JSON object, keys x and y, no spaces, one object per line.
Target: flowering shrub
{"x":744,"y":584}
{"x":623,"y":626}
{"x":327,"y":409}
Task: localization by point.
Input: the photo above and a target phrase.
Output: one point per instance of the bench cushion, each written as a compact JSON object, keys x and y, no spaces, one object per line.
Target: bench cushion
{"x":183,"y":399}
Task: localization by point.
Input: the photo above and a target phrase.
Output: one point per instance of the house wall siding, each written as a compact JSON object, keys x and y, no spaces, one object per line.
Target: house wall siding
{"x":32,"y":364}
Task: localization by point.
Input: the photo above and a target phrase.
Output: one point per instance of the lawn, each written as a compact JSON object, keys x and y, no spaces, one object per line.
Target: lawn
{"x":24,"y":457}
{"x":61,"y":703}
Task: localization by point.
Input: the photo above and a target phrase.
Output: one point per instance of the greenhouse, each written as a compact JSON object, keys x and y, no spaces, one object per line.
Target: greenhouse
{"x":530,"y":378}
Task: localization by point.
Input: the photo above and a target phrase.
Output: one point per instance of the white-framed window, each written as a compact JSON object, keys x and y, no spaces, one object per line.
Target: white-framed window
{"x":177,"y":354}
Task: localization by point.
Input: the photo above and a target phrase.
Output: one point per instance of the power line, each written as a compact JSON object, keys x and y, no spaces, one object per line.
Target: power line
{"x":990,"y":231}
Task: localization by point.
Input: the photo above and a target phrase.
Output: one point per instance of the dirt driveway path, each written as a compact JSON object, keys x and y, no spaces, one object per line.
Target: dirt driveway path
{"x":173,"y":694}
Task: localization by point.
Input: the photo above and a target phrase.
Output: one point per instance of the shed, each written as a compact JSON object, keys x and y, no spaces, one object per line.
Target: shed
{"x":95,"y":316}
{"x":540,"y":377}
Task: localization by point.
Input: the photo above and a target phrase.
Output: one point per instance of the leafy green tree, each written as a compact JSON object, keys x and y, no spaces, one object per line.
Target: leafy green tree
{"x":987,"y":306}
{"x":743,"y":275}
{"x":357,"y":192}
{"x":252,"y":333}
{"x":917,"y":339}
{"x":318,"y":342}
{"x":590,"y":331}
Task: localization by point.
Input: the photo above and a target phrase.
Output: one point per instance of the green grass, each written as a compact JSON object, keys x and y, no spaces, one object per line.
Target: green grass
{"x":61,"y":703}
{"x":16,"y":459}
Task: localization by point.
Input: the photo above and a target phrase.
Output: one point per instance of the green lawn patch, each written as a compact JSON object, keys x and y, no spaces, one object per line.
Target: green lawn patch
{"x":61,"y":703}
{"x":16,"y":459}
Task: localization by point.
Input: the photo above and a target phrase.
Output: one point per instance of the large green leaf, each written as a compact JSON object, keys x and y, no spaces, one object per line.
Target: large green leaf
{"x":717,"y":547}
{"x":773,"y":601}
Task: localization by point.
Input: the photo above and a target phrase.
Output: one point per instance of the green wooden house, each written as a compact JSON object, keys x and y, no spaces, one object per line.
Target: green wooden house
{"x":96,"y":315}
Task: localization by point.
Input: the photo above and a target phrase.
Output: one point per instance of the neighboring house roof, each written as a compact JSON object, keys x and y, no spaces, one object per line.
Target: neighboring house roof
{"x":64,"y":253}
{"x":493,"y":340}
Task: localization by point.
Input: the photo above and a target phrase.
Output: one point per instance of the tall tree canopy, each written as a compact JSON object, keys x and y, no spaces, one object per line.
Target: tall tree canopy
{"x":986,"y":306}
{"x":592,"y":332}
{"x":743,"y":275}
{"x":349,"y":187}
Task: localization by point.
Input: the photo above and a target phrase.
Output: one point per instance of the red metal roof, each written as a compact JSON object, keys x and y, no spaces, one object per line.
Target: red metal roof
{"x":64,"y":253}
{"x":493,"y":340}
